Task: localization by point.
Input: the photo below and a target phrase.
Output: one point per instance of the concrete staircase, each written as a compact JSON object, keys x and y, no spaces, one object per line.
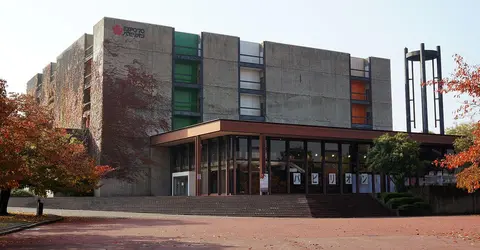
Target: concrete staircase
{"x":316,"y":206}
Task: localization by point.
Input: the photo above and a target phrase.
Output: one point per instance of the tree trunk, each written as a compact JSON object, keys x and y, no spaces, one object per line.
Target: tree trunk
{"x":4,"y":197}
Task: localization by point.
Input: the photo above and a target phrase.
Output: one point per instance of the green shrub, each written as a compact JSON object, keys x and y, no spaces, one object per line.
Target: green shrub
{"x":408,"y":210}
{"x":21,"y":193}
{"x":386,"y":197}
{"x":415,"y":209}
{"x":397,"y":202}
{"x":422,"y":205}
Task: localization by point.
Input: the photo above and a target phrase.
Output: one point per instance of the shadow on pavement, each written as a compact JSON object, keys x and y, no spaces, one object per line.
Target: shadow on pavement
{"x":88,"y":241}
{"x":104,"y":224}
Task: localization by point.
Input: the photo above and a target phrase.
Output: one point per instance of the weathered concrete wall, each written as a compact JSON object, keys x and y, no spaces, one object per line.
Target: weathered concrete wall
{"x":69,"y":85}
{"x":307,"y":86}
{"x":161,"y":176}
{"x":220,"y":76}
{"x":135,"y":93}
{"x":449,"y":199}
{"x":381,"y":94}
{"x":47,"y":92}
{"x":96,"y":93}
{"x":33,"y":83}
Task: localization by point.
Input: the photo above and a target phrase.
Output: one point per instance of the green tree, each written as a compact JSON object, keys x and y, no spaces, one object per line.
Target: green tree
{"x":397,"y":155}
{"x":466,"y":136}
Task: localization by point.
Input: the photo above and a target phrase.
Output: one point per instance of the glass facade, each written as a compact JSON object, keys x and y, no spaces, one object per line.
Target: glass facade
{"x":231,"y":165}
{"x":315,"y":169}
{"x":277,"y":165}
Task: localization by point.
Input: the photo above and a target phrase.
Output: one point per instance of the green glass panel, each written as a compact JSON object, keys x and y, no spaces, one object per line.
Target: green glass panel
{"x":186,"y":44}
{"x":185,"y":73}
{"x":185,"y":100}
{"x":181,"y":122}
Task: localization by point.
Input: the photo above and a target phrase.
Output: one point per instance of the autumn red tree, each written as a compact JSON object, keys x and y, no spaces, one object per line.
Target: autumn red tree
{"x":464,"y":82}
{"x":36,"y":155}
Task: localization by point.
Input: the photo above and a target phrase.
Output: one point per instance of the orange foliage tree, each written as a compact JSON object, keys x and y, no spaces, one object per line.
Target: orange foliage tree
{"x":36,"y":155}
{"x":464,"y":82}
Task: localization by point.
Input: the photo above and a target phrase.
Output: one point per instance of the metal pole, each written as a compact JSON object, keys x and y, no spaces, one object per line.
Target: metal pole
{"x":440,"y":95}
{"x":407,"y":94}
{"x":423,"y":80}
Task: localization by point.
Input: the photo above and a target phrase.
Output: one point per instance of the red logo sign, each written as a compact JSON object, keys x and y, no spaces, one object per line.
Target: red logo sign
{"x":118,"y":30}
{"x":128,"y":31}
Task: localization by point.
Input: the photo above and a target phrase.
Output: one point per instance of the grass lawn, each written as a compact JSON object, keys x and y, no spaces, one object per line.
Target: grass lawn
{"x":20,"y":219}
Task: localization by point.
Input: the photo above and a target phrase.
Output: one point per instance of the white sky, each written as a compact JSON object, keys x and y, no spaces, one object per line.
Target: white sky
{"x":36,"y":32}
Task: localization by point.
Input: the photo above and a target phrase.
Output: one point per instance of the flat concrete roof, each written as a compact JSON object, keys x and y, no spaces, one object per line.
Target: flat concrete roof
{"x":221,"y":127}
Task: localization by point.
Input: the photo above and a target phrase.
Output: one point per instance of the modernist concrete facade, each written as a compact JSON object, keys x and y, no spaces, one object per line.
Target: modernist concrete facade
{"x":129,"y":81}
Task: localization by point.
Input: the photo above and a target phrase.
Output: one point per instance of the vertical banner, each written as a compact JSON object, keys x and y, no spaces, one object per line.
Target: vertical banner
{"x":348,"y":178}
{"x":315,"y":179}
{"x":297,"y":180}
{"x":364,"y":179}
{"x":332,"y":179}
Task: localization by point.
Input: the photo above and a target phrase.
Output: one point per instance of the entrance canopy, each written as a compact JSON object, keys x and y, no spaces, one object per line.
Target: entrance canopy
{"x":217,"y":128}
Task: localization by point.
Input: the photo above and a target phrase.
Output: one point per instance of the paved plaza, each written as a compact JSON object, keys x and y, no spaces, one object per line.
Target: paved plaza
{"x":118,"y":230}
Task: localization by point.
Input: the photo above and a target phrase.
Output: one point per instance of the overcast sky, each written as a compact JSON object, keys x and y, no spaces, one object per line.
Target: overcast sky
{"x":34,"y":33}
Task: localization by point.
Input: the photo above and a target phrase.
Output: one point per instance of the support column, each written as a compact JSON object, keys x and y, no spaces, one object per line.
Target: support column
{"x":219,"y":172}
{"x":340,"y":166}
{"x":305,"y":162}
{"x":440,"y":95}
{"x":407,"y":94}
{"x":423,"y":80}
{"x":198,"y":162}
{"x":373,"y":182}
{"x":249,"y":153}
{"x":324,"y":173}
{"x":357,"y":167}
{"x":383,"y":184}
{"x":269,"y":165}
{"x":227,"y":162}
{"x":234,"y":152}
{"x":287,"y":143}
{"x":261,"y":149}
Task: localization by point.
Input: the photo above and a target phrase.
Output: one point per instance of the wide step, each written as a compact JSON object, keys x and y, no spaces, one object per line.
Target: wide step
{"x":316,"y":206}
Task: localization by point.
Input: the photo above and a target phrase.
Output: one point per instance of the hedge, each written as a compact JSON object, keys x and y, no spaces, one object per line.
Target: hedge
{"x":386,"y":197}
{"x":21,"y":193}
{"x":423,"y":205}
{"x":397,"y":202}
{"x":415,"y":209}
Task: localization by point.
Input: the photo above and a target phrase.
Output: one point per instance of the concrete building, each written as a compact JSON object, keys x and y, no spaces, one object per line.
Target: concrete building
{"x":158,"y":102}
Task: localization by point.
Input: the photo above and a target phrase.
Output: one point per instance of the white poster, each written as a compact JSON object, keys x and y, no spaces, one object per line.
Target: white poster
{"x":332,"y":179}
{"x":348,"y":178}
{"x":364,"y":179}
{"x":315,"y":179}
{"x":297,"y":180}
{"x":264,"y":183}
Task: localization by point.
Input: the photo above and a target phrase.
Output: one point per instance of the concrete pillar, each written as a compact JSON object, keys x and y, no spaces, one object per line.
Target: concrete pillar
{"x":261,"y":149}
{"x":198,"y":162}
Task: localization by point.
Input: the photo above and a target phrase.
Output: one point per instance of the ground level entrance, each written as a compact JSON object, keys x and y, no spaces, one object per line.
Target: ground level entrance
{"x":279,"y":160}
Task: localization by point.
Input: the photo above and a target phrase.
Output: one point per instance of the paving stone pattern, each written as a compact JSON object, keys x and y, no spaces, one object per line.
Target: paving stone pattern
{"x":153,"y":231}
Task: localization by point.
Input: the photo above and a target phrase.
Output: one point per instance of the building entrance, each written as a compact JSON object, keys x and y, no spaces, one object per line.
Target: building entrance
{"x":180,"y":186}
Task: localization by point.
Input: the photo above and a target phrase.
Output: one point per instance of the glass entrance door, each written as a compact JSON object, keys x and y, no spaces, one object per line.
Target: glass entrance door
{"x":180,"y":186}
{"x":278,"y":167}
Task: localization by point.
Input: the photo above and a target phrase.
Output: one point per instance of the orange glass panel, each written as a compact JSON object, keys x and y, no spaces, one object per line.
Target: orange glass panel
{"x":359,"y":114}
{"x":358,"y":90}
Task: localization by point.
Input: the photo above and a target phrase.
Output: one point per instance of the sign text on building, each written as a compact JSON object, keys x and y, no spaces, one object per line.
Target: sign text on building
{"x":128,"y":31}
